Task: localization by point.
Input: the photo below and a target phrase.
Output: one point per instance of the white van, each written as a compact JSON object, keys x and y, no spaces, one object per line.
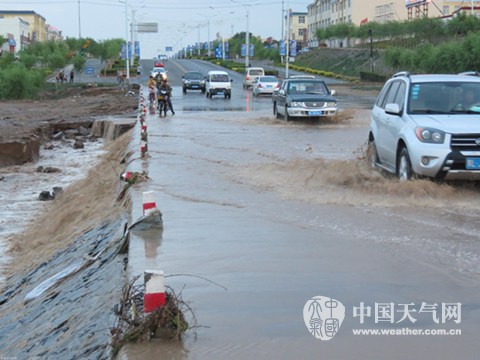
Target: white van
{"x":218,"y":83}
{"x":251,"y":74}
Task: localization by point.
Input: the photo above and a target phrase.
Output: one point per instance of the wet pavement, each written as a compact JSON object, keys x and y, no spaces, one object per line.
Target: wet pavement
{"x":278,"y":213}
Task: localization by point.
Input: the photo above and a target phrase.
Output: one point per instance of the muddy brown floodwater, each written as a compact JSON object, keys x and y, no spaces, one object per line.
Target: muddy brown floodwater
{"x":278,"y":213}
{"x":260,"y":216}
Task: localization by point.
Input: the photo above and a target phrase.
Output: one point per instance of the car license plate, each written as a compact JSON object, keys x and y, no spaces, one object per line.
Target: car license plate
{"x":472,"y":164}
{"x":315,"y":113}
{"x":194,"y":86}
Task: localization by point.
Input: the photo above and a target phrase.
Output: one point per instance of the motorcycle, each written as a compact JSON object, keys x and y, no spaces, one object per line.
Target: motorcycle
{"x":162,"y":99}
{"x":151,"y":98}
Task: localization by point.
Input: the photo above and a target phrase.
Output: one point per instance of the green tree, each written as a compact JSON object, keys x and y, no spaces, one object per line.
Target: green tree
{"x":79,"y":62}
{"x":107,"y":50}
{"x":56,"y":60}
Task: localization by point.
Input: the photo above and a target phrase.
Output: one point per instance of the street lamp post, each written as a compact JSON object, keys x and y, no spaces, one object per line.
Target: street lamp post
{"x":287,"y":45}
{"x":247,"y":33}
{"x":208,"y":34}
{"x":126,"y":42}
{"x":132,"y":24}
{"x":247,"y":41}
{"x":79,"y":22}
{"x":199,"y":53}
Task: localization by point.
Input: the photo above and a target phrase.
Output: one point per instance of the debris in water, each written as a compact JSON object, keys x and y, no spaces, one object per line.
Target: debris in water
{"x":132,"y":325}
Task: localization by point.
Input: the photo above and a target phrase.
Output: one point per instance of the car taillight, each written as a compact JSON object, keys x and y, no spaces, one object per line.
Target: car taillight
{"x":248,"y":77}
{"x":278,"y":86}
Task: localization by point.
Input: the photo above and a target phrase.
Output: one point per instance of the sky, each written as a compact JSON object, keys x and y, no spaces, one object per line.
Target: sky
{"x":180,"y":22}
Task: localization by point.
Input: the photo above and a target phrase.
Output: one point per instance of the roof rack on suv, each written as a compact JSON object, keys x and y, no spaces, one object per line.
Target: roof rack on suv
{"x":470,"y":73}
{"x":402,"y":73}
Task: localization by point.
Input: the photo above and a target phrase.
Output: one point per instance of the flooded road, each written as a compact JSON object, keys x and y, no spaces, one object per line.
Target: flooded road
{"x":271,"y":214}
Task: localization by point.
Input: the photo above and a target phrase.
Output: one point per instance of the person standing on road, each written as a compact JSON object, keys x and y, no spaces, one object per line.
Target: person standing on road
{"x":120,"y":76}
{"x":72,"y":76}
{"x":151,"y":82}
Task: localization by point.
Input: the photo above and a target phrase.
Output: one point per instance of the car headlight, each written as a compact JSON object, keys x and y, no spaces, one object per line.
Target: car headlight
{"x":430,"y":135}
{"x":297,"y":104}
{"x":331,"y":104}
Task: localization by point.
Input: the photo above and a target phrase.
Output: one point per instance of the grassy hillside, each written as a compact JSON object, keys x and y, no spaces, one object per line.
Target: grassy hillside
{"x":345,"y":61}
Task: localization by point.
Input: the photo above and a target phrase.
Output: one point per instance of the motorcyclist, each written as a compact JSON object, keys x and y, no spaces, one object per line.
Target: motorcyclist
{"x":165,"y":86}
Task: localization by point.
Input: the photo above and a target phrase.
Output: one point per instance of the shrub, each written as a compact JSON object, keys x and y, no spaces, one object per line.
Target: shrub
{"x":19,"y":83}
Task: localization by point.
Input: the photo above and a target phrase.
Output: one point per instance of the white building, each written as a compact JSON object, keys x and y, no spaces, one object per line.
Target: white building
{"x":324,"y":13}
{"x":297,"y":27}
{"x":16,"y":30}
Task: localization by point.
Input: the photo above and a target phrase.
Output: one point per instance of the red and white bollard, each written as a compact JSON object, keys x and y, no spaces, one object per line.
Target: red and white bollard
{"x":149,"y":205}
{"x":126,"y":176}
{"x":154,"y":290}
{"x":143,"y":147}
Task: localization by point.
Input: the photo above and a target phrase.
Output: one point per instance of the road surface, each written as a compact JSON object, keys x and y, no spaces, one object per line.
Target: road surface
{"x":278,"y":213}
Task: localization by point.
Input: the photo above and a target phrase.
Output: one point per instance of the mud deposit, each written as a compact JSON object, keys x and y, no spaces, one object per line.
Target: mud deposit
{"x":24,"y":124}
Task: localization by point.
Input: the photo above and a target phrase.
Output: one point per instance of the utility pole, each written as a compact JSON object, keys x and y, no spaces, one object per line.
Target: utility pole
{"x":287,"y":58}
{"x":198,"y":26}
{"x":126,"y":42}
{"x":247,"y":42}
{"x":370,"y":32}
{"x":208,"y":38}
{"x":79,"y":22}
{"x":132,"y":24}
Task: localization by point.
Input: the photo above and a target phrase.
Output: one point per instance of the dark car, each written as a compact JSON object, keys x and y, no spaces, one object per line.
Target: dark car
{"x":193,"y":80}
{"x":304,"y":98}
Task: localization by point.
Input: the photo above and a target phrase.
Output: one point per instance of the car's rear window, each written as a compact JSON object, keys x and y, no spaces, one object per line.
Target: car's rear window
{"x":268,"y":79}
{"x":256,"y":72}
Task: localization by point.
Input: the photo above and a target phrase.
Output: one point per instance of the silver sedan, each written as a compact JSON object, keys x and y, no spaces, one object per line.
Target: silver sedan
{"x":265,"y":85}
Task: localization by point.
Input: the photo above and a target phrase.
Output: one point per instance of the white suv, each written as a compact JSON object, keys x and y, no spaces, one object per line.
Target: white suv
{"x":427,"y":125}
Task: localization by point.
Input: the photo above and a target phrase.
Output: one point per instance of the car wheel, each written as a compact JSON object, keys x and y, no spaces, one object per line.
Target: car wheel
{"x":184,"y":90}
{"x":207,"y":94}
{"x":372,"y":155}
{"x":287,"y":117}
{"x":404,"y":166}
{"x":203,"y":91}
